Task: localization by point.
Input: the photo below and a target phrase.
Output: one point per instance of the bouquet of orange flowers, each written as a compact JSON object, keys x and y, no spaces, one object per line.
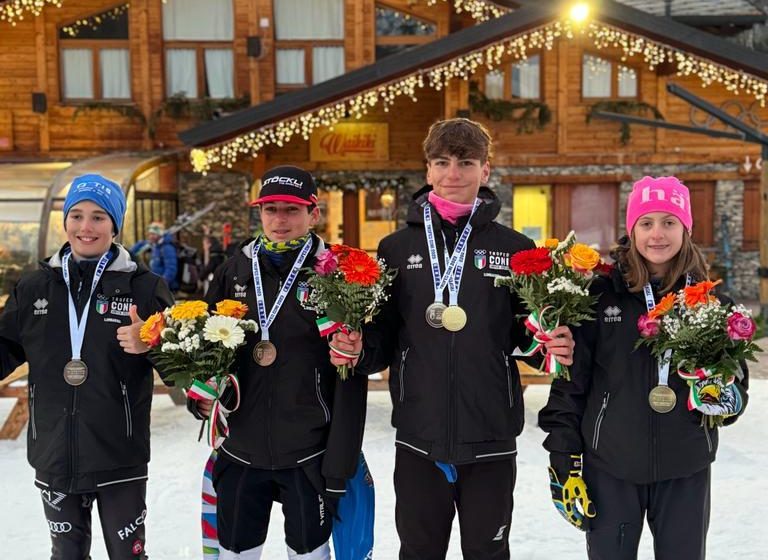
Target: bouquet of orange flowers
{"x":707,"y":341}
{"x":553,"y":283}
{"x":347,"y":289}
{"x":195,"y":350}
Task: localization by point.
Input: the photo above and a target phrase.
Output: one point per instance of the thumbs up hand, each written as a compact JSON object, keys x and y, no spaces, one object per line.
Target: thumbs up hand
{"x":128,"y":336}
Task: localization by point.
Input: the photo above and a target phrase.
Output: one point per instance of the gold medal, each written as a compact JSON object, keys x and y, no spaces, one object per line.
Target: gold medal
{"x":454,"y":318}
{"x":434,"y":315}
{"x":75,"y":372}
{"x":264,"y":353}
{"x":662,"y":399}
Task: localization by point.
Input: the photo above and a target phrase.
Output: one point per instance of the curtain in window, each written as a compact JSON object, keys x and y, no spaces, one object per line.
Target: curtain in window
{"x":595,"y":77}
{"x":181,"y":72}
{"x":77,"y":71}
{"x":526,"y":78}
{"x":219,"y":73}
{"x":588,"y":201}
{"x":627,"y":82}
{"x":198,"y":20}
{"x":115,"y":67}
{"x":309,"y":19}
{"x":290,"y":66}
{"x":494,"y":85}
{"x":327,"y":63}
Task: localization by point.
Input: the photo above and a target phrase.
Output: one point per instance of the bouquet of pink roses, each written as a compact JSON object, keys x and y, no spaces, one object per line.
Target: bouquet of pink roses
{"x":347,"y":288}
{"x":707,"y":340}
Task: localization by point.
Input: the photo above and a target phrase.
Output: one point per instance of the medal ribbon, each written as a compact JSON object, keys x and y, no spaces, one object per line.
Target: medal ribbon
{"x":459,"y":254}
{"x":541,"y":335}
{"x":264,"y":320}
{"x":650,"y":303}
{"x":77,"y":328}
{"x":200,"y":391}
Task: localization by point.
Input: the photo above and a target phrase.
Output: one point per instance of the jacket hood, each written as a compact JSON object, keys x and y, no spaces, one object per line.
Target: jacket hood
{"x":485,"y":213}
{"x":121,"y":263}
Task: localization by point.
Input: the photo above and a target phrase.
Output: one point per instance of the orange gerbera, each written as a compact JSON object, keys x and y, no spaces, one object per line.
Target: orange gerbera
{"x":663,"y":307}
{"x":151,"y":329}
{"x":231,"y":308}
{"x":699,"y":293}
{"x":359,"y":268}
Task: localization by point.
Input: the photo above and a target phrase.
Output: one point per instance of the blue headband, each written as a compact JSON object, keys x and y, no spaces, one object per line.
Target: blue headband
{"x":100,"y":191}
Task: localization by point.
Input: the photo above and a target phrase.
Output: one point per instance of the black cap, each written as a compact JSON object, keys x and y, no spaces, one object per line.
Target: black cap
{"x":287,"y":183}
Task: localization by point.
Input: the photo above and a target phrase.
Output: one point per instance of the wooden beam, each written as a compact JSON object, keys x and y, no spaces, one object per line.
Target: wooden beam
{"x":562,"y":96}
{"x":42,"y":81}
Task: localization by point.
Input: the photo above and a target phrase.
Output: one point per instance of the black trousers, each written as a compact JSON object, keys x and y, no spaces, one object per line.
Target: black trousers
{"x":426,"y":504}
{"x":677,"y":512}
{"x":244,"y":503}
{"x":122,"y":511}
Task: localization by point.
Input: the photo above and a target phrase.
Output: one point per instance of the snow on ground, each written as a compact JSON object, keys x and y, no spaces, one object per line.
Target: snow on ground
{"x":538,"y":533}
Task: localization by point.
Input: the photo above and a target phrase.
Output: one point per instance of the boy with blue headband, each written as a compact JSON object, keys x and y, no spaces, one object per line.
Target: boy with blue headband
{"x":89,"y":401}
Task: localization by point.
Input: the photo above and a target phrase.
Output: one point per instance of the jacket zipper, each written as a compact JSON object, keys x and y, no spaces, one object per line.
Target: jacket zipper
{"x":32,"y":411}
{"x":509,"y":379}
{"x":706,"y":433}
{"x":599,"y":421}
{"x":320,"y":396}
{"x":73,"y":441}
{"x":403,"y":356}
{"x":452,"y":399}
{"x":127,"y":407}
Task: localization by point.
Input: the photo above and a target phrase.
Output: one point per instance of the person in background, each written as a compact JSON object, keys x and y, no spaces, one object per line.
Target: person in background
{"x":89,"y":401}
{"x":164,"y":257}
{"x":614,"y":446}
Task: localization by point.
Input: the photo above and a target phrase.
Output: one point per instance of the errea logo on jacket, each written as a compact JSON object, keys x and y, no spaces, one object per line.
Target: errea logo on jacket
{"x":41,"y":307}
{"x":612,"y":314}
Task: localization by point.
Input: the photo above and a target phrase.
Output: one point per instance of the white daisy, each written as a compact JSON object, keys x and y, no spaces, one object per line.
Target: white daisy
{"x":225,"y":330}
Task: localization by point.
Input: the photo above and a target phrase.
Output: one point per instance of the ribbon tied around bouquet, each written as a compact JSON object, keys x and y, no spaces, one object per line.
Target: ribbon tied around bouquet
{"x":327,"y":327}
{"x":712,"y":394}
{"x":217,"y":426}
{"x":542,"y":333}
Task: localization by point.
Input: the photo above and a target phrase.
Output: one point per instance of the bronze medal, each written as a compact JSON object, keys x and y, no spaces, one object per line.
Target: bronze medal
{"x":264,"y":353}
{"x":75,"y":372}
{"x":662,"y":399}
{"x":434,"y":315}
{"x":454,"y":318}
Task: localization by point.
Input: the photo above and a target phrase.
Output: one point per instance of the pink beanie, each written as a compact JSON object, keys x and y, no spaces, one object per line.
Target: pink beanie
{"x":659,"y":194}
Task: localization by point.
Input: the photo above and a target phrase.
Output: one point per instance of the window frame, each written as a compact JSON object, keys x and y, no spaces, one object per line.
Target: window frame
{"x":402,"y":40}
{"x":200,"y":47}
{"x":614,"y":96}
{"x":95,"y":46}
{"x":750,"y":240}
{"x":307,"y":45}
{"x":506,"y":69}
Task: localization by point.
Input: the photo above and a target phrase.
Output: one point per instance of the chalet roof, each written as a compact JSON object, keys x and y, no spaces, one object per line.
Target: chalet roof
{"x":697,"y":7}
{"x":529,"y":16}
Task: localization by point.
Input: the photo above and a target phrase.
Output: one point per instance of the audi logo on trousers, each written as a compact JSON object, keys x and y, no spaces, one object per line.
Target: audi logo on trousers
{"x":58,"y":527}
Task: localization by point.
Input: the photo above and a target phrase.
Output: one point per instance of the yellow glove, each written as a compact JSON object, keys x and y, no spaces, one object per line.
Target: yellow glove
{"x":569,"y":492}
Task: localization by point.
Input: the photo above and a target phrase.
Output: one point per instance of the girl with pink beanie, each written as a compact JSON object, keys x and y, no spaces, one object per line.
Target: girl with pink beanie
{"x":618,"y":457}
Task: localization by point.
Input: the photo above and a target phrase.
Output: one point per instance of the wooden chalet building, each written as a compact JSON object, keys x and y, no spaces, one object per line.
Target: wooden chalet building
{"x":156,"y":93}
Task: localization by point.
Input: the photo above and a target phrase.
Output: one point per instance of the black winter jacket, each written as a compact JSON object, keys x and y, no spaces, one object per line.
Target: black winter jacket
{"x":456,"y":396}
{"x":97,"y":434}
{"x":297,"y":410}
{"x":603,"y":412}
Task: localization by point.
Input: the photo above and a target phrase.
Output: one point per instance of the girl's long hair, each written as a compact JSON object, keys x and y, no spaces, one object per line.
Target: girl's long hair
{"x":634,"y":268}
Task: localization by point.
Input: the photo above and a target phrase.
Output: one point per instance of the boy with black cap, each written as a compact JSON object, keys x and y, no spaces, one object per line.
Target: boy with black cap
{"x":89,"y":402}
{"x":297,"y":433}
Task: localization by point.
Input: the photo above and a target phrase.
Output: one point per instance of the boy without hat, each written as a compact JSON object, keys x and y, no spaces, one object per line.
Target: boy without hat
{"x":455,"y":387}
{"x":88,"y":435}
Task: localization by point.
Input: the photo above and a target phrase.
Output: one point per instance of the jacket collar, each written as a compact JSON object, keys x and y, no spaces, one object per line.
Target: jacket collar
{"x":121,"y":261}
{"x":485,"y":213}
{"x":243,"y":267}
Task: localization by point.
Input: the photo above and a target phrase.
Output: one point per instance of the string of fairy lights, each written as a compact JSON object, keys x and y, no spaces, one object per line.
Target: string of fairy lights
{"x":13,"y":11}
{"x":489,"y":58}
{"x":94,"y":22}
